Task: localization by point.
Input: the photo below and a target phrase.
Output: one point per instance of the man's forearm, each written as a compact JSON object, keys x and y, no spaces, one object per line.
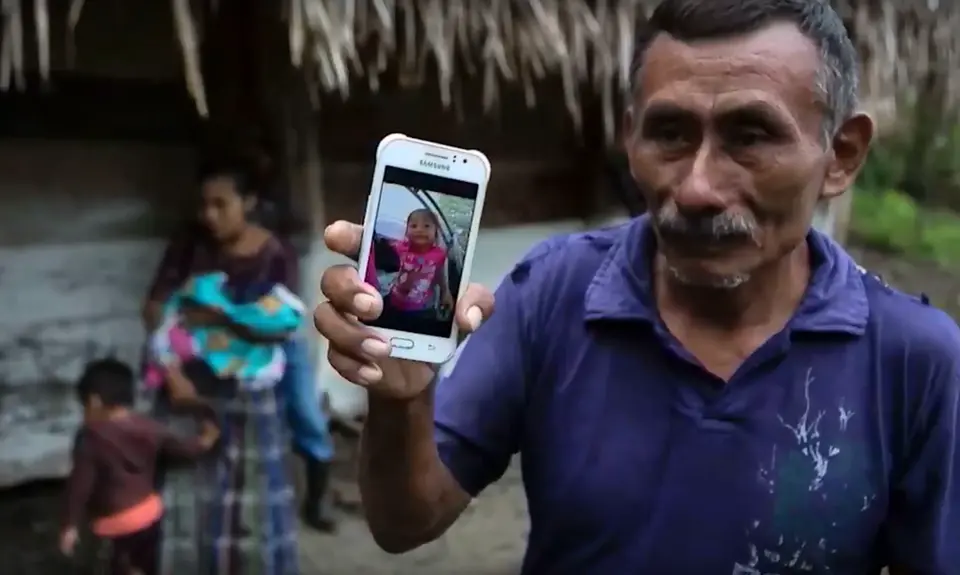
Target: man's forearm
{"x":409,"y":496}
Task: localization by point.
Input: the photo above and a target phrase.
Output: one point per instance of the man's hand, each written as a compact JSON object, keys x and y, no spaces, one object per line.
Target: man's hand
{"x":356,"y":352}
{"x":446,"y":301}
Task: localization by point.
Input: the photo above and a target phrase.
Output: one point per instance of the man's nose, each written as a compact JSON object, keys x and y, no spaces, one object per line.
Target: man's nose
{"x":698,"y":191}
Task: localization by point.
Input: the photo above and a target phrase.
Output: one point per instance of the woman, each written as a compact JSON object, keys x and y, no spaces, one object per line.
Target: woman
{"x":252,"y":523}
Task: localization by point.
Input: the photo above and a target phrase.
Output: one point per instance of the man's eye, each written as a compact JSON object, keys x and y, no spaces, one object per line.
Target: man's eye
{"x":670,"y":135}
{"x":747,"y":137}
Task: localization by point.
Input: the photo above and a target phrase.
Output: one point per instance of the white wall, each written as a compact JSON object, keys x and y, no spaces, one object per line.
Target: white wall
{"x":79,"y":238}
{"x":65,"y":305}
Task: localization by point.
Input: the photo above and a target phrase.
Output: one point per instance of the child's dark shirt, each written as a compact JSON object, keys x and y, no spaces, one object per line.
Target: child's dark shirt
{"x":115,"y":464}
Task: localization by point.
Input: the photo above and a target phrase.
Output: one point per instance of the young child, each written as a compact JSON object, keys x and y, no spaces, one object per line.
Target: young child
{"x":238,"y":337}
{"x":421,"y":266}
{"x":114,"y":466}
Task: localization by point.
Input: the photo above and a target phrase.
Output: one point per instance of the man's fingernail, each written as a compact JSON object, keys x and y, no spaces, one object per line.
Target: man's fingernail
{"x":363,"y":302}
{"x":474,"y":317}
{"x":375,"y":347}
{"x":369,"y":373}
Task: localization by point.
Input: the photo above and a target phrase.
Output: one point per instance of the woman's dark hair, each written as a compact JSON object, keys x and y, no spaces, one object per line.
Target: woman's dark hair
{"x":234,"y":169}
{"x":231,"y":168}
{"x":109,"y":379}
{"x":271,"y":211}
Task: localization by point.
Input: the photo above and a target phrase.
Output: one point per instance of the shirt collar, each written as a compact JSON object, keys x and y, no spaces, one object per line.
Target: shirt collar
{"x":622,"y":288}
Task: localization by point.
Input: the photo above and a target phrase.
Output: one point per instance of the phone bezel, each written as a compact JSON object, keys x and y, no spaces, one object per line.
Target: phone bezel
{"x":404,"y":152}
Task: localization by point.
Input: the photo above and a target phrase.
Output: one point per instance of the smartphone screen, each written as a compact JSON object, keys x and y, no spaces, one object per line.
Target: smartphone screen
{"x":421,"y":231}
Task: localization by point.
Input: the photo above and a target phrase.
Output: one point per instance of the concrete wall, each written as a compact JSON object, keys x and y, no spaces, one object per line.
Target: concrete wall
{"x":80,"y":229}
{"x":80,"y":232}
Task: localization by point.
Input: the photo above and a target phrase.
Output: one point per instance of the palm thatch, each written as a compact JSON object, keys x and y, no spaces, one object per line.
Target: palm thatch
{"x":586,"y":43}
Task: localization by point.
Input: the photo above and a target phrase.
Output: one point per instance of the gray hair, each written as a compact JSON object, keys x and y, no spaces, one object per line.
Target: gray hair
{"x":839,"y":77}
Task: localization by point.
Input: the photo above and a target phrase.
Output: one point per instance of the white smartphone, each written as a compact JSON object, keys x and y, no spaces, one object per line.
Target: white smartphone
{"x":419,"y":234}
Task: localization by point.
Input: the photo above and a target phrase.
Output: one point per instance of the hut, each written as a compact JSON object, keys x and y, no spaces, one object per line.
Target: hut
{"x":105,"y":101}
{"x":483,"y":70}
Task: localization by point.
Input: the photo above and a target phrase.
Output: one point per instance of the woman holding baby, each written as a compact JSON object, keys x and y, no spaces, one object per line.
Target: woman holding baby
{"x":219,"y":344}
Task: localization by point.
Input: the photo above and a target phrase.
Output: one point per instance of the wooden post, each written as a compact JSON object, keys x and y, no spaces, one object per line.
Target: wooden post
{"x":302,"y":136}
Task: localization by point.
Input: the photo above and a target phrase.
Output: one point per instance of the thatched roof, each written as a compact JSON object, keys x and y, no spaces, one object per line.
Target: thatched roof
{"x":587,"y":43}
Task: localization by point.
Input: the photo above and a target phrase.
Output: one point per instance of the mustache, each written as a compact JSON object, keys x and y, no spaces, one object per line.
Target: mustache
{"x":705,"y":227}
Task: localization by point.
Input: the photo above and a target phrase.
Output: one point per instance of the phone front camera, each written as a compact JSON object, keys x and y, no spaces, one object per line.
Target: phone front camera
{"x":464,"y":160}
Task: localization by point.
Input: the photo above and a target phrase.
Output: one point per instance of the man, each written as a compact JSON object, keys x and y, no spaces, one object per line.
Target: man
{"x":711,"y":389}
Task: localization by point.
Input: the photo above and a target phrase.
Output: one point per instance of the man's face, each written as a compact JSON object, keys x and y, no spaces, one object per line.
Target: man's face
{"x":725,"y":139}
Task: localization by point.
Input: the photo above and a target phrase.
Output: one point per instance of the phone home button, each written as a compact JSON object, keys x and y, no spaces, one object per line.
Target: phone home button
{"x":401,"y":343}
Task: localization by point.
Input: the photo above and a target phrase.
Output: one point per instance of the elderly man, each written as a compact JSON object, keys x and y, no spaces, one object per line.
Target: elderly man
{"x":711,"y":389}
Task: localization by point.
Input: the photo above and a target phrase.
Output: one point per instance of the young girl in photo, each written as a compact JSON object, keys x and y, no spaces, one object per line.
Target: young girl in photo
{"x":421,"y":264}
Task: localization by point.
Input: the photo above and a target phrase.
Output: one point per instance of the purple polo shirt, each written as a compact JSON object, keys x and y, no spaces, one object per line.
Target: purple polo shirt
{"x":831,"y":450}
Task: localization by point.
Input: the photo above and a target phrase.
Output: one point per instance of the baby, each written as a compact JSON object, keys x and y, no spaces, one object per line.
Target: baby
{"x":236,"y":339}
{"x":420,"y":270}
{"x":114,"y":469}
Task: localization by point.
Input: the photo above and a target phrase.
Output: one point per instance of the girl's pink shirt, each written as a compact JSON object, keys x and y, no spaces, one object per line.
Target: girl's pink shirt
{"x":370,"y":276}
{"x":413,"y":288}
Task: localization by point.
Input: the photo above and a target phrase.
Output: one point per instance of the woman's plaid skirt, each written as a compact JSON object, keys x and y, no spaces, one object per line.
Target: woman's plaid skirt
{"x":233,"y":514}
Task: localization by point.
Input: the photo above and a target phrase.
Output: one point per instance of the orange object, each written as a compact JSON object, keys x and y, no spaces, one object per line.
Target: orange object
{"x":131,"y":519}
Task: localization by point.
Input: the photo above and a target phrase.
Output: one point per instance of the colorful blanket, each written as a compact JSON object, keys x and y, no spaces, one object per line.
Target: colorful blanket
{"x":270,"y":316}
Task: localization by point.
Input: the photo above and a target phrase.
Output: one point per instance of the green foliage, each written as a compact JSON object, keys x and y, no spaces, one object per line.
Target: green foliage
{"x":908,"y":195}
{"x":920,"y":159}
{"x":892,"y":221}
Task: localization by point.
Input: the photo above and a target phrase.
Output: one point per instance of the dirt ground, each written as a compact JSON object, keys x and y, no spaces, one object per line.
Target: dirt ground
{"x":488,"y":540}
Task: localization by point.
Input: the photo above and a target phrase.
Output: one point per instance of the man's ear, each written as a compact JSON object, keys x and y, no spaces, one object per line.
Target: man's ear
{"x":850,"y":147}
{"x":250,"y":203}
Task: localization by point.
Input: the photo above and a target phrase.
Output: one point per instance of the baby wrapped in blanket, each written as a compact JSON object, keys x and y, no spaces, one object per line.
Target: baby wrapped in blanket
{"x":238,"y":338}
